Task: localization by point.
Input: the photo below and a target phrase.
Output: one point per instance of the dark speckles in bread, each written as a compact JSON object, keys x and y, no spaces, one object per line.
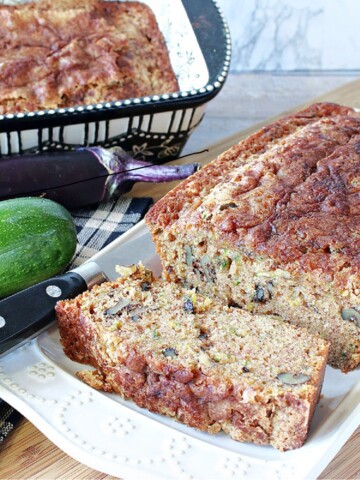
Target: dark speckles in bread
{"x":204,"y":364}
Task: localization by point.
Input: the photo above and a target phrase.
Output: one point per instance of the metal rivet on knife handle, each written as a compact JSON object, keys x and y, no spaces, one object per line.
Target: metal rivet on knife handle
{"x":53,"y":291}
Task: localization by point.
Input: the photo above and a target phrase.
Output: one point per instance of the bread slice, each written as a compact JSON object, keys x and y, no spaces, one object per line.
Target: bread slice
{"x":273,"y":226}
{"x":204,"y":364}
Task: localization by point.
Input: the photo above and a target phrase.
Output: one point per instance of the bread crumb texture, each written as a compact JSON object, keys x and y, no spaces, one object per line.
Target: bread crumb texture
{"x":273,"y":226}
{"x":65,"y":53}
{"x":200,"y":362}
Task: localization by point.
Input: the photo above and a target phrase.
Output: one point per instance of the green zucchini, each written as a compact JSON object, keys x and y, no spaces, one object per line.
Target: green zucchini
{"x":37,"y":241}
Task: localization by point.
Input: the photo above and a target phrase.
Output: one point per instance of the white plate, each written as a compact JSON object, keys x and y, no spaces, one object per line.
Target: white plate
{"x":118,"y":438}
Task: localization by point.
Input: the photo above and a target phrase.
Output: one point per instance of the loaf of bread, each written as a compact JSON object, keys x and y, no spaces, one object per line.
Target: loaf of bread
{"x":273,"y":226}
{"x":63,"y":53}
{"x":204,"y":364}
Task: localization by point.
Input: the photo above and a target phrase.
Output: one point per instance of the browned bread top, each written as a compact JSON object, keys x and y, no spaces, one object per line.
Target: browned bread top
{"x":64,"y":53}
{"x":289,"y":192}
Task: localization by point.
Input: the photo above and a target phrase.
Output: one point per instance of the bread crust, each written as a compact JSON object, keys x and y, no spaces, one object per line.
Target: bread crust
{"x":307,"y":200}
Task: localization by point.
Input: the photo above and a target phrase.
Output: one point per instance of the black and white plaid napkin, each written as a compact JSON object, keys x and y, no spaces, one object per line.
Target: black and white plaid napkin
{"x":9,"y":418}
{"x":96,"y":228}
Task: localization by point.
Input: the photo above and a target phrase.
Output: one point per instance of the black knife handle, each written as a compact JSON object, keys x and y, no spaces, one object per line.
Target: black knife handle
{"x":24,"y":314}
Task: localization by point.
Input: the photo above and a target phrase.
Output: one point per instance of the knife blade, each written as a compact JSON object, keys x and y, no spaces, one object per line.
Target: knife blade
{"x":26,"y":314}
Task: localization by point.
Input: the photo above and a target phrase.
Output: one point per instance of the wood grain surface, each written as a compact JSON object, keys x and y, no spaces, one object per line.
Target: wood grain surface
{"x":28,"y":454}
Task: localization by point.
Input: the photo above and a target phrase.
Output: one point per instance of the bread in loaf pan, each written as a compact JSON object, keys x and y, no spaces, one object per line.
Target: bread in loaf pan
{"x":61,"y":54}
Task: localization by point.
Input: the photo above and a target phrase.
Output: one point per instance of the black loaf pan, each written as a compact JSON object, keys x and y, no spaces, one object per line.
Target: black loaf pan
{"x":153,"y":128}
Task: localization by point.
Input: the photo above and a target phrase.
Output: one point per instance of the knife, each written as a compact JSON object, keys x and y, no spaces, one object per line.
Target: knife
{"x":26,"y":314}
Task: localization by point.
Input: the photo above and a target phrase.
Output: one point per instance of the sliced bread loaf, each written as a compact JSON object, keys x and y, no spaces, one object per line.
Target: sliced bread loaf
{"x":273,"y":225}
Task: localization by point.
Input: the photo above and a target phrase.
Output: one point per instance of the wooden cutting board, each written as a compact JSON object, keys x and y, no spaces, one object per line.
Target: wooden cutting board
{"x":27,"y":453}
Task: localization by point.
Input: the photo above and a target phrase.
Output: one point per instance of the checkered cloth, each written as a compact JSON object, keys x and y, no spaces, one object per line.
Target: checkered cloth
{"x":9,"y":418}
{"x":96,"y":228}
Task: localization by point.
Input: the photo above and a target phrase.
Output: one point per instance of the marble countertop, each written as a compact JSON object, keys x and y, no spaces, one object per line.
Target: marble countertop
{"x":290,"y":35}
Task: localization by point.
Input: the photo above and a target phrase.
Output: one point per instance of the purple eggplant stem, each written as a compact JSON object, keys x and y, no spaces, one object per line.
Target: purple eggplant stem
{"x":124,"y":170}
{"x":81,"y":177}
